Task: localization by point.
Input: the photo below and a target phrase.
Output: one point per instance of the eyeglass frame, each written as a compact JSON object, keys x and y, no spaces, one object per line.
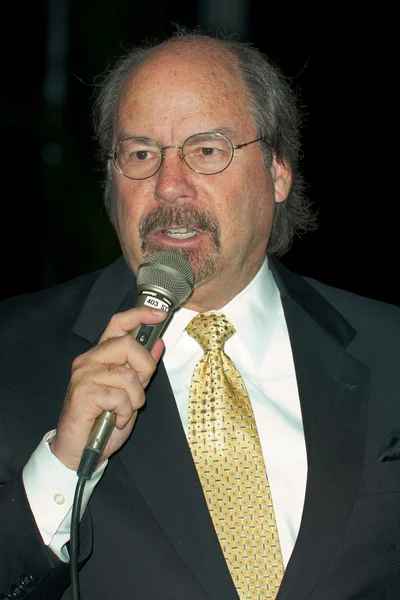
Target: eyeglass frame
{"x":234,"y":147}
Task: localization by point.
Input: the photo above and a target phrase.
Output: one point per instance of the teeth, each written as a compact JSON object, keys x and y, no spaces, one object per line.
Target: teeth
{"x":180,"y":233}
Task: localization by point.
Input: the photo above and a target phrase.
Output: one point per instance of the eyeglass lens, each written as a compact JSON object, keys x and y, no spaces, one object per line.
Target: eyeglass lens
{"x":204,"y":153}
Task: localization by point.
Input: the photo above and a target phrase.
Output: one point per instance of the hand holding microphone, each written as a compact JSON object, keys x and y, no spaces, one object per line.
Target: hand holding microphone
{"x":102,"y":391}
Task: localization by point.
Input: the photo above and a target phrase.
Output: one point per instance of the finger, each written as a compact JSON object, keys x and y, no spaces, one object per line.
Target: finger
{"x":123,"y":350}
{"x":83,"y":405}
{"x":157,"y":350}
{"x":106,"y":387}
{"x":121,"y":323}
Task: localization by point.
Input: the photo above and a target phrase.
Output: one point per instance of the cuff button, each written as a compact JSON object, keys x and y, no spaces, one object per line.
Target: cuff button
{"x":59,"y":498}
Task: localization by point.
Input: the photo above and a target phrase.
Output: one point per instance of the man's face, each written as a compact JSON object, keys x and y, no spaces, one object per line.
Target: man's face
{"x":221,"y":222}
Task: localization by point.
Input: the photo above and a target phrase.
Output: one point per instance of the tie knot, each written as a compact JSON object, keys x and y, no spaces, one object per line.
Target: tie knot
{"x":210,"y":330}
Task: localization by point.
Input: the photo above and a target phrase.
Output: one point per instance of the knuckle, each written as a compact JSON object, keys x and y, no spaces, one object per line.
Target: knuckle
{"x":107,"y":391}
{"x":127,"y":341}
{"x":79,"y":391}
{"x":151,"y":365}
{"x":129,"y":377}
{"x":111,"y":368}
{"x":77,"y":362}
{"x":140,"y":399}
{"x":115,"y":319}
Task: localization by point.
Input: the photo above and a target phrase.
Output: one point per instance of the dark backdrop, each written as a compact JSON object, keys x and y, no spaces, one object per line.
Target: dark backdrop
{"x":340,"y":60}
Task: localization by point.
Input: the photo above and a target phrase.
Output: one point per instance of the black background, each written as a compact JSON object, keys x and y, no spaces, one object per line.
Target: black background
{"x":341,"y":61}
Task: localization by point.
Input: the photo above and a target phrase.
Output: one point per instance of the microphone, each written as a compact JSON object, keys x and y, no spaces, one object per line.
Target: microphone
{"x":164,"y":280}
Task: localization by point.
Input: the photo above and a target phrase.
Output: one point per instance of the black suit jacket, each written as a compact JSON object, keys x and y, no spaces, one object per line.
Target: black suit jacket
{"x":147,"y":534}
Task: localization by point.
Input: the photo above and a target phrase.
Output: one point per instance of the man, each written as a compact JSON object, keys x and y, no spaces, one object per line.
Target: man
{"x":201,"y":144}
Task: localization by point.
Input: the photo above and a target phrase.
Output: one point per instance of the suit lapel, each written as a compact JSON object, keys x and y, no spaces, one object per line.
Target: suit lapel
{"x":333,"y":390}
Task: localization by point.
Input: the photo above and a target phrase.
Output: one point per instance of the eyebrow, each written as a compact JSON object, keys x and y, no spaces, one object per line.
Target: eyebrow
{"x":224,"y":130}
{"x":127,"y":136}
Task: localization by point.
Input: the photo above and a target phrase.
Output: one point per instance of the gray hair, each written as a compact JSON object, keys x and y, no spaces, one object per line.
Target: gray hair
{"x":273,"y":107}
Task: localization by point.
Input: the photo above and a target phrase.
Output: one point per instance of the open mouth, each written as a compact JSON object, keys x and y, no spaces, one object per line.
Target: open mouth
{"x":179,"y":233}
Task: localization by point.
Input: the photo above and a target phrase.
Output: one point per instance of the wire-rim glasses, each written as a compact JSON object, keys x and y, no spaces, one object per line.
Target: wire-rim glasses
{"x":205,"y":153}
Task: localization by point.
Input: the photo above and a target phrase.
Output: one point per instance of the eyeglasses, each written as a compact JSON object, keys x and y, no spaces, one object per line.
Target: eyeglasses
{"x":204,"y":153}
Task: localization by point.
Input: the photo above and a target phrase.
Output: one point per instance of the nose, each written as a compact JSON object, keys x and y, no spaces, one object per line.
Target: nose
{"x":174,"y":178}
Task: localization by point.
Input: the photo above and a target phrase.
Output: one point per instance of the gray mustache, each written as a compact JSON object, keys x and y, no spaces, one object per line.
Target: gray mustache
{"x":187,"y":216}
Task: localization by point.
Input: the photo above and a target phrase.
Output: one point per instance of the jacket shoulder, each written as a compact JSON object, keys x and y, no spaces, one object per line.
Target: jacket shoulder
{"x":373,"y":319}
{"x":350,"y":303}
{"x":59,"y":303}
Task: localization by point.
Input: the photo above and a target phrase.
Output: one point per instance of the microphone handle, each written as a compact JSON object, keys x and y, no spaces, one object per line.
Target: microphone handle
{"x":147,"y":336}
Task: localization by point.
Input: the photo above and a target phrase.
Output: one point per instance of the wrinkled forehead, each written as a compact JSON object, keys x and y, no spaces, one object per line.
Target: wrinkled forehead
{"x":197,"y":75}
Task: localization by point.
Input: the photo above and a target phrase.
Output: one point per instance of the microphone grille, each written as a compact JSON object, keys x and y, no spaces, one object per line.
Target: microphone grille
{"x":167,"y":270}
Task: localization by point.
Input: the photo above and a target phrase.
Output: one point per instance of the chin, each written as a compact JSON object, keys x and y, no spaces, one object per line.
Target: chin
{"x":202,"y":261}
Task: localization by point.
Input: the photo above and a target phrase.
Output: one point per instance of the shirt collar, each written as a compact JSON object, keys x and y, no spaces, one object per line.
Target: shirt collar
{"x":252,"y":311}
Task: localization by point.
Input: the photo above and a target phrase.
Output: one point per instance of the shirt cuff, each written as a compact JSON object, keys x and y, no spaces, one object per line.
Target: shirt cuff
{"x":50,"y":488}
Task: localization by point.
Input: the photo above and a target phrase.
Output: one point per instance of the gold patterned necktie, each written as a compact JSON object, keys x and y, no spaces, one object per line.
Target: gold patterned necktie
{"x":227,"y":452}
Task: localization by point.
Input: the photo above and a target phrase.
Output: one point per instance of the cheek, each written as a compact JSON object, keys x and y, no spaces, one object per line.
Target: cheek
{"x":127,"y":208}
{"x":250,"y":214}
{"x":126,"y":217}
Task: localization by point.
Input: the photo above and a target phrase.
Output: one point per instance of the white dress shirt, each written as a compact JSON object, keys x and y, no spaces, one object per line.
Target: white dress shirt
{"x":262,"y":352}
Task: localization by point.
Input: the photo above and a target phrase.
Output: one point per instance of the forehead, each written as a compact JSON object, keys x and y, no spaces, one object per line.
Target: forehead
{"x":193,"y":88}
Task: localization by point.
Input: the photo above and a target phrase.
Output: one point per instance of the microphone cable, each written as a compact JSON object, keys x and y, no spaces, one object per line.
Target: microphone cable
{"x":86,"y":468}
{"x":74,"y":541}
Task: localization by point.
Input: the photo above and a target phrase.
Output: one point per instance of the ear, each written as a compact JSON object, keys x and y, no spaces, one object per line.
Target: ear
{"x":281,"y":178}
